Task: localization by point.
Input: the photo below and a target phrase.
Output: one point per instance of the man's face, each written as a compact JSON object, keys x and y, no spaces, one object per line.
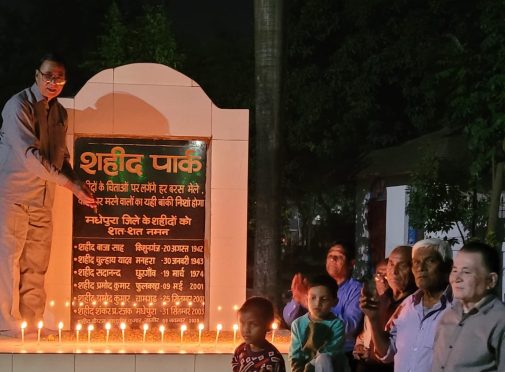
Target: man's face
{"x":428,"y":269}
{"x":337,"y":264}
{"x":398,"y":270}
{"x":320,"y":301}
{"x":380,"y":278}
{"x":470,"y":280}
{"x":50,"y":77}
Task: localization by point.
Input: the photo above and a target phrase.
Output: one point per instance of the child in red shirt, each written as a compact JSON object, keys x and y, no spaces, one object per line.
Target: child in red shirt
{"x":256,"y":354}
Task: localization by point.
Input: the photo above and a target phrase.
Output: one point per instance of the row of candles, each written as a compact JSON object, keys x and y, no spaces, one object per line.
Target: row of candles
{"x":145,"y":328}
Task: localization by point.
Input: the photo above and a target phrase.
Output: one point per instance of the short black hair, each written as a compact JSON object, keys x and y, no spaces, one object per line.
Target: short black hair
{"x":53,"y":57}
{"x":490,"y":255}
{"x":349,"y":249}
{"x":324,"y":280}
{"x":262,"y":306}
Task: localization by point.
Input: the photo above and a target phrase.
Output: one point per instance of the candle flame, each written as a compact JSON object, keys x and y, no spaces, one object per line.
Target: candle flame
{"x":184,"y":328}
{"x":219,"y":327}
{"x":275,"y":326}
{"x":40,"y":324}
{"x":91,"y":327}
{"x":235,"y":327}
{"x":122,"y":326}
{"x":162,"y":328}
{"x":60,"y":325}
{"x":24,"y":325}
{"x":108,"y":326}
{"x":200,"y":327}
{"x":145,"y":327}
{"x":78,"y":326}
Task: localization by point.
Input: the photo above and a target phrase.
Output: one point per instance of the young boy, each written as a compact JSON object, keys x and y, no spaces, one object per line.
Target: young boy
{"x":317,"y":338}
{"x":256,"y":354}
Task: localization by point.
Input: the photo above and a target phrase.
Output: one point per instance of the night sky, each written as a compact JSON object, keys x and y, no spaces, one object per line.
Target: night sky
{"x":215,"y":37}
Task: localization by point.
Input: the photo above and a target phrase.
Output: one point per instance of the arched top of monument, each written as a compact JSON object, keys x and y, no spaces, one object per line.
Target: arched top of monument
{"x":150,"y":99}
{"x":143,"y":73}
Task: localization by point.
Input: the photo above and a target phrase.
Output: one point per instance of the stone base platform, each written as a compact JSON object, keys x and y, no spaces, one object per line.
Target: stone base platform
{"x":98,"y":356}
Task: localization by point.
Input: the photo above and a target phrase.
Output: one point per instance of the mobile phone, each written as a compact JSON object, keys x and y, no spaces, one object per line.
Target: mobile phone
{"x":370,"y":288}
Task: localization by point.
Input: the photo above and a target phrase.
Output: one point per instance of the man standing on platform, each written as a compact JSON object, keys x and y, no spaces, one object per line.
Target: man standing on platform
{"x":33,"y":159}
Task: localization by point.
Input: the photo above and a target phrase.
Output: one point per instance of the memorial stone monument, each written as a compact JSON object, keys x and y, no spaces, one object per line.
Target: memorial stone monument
{"x":167,"y":244}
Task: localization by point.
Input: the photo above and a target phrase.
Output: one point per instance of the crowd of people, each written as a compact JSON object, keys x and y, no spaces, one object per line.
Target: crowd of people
{"x":422,"y":311}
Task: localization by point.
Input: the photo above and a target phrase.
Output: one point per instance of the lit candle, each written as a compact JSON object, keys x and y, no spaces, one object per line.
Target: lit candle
{"x":200,"y":329}
{"x":162,"y":331}
{"x":40,"y":324}
{"x":183,"y":329}
{"x":91,"y":327}
{"x":219,"y":328}
{"x":235,"y":329}
{"x":108,"y":326}
{"x":23,"y":327}
{"x":78,"y":328}
{"x":60,"y":327}
{"x":123,"y":327}
{"x":145,"y":327}
{"x":274,"y":327}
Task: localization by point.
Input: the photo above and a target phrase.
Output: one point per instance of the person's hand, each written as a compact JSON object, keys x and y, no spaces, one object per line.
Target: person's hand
{"x":83,"y":193}
{"x":299,"y":289}
{"x":369,"y":305}
{"x":360,"y":352}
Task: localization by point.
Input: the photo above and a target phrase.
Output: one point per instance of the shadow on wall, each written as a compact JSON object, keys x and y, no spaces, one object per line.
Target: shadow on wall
{"x":121,"y":114}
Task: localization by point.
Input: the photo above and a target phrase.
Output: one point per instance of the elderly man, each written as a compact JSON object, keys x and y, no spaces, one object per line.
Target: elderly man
{"x":412,"y":326}
{"x":339,"y":265}
{"x":471,"y":334}
{"x":401,"y":284}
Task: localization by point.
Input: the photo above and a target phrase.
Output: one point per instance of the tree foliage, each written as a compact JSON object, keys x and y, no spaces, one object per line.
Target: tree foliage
{"x":363,"y":75}
{"x":437,"y":203}
{"x":147,"y":38}
{"x":473,"y":79}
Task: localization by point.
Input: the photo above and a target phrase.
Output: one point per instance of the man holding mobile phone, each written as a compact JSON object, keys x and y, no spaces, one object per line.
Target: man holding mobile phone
{"x":411,"y":329}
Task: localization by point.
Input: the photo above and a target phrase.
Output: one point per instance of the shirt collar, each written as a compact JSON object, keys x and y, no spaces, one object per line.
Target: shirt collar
{"x":36,"y":92}
{"x":481,"y":305}
{"x":446,"y":296}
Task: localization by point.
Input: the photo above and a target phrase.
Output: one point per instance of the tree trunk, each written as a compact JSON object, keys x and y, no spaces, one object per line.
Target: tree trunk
{"x":494,"y":205}
{"x":268,"y":45}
